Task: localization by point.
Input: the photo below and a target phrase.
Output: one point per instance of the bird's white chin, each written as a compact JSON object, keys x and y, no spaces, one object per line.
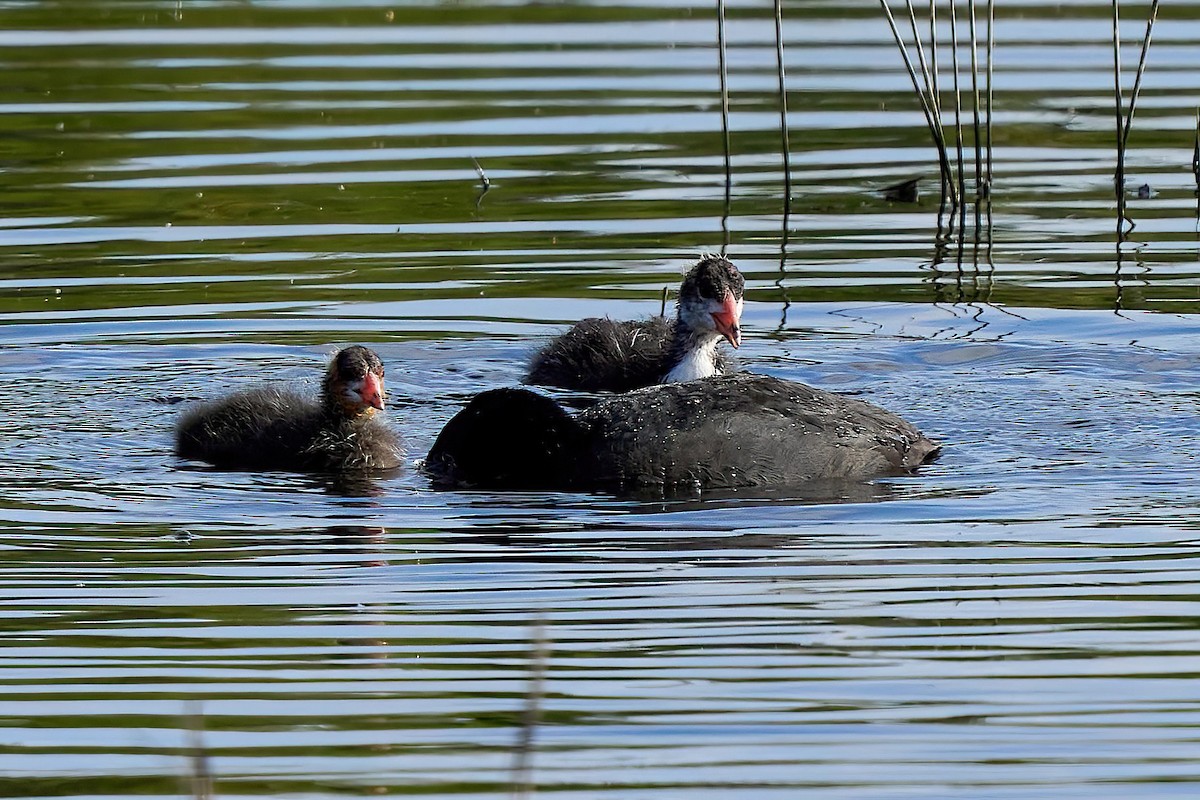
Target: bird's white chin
{"x":700,"y":362}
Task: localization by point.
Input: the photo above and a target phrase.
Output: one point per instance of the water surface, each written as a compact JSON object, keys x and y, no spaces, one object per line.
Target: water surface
{"x":202,"y":196}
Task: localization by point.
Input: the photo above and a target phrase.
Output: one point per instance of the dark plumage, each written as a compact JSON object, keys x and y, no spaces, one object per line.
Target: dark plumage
{"x":274,"y":428}
{"x":598,"y":354}
{"x":719,"y":433}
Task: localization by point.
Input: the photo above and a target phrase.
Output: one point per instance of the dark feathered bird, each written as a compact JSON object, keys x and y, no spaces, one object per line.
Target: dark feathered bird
{"x":720,"y":433}
{"x":275,"y":428}
{"x":602,"y":355}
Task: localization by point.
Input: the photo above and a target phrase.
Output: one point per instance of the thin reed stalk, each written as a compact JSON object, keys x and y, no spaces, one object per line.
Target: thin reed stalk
{"x":1119,"y":176}
{"x":935,"y":128}
{"x":1196,"y":163}
{"x":933,"y":60}
{"x":991,"y":51}
{"x":783,"y":111}
{"x":779,"y":281}
{"x":785,"y":144}
{"x":483,"y":178}
{"x":958,"y":133}
{"x":912,"y":18}
{"x":925,"y":74}
{"x":1196,"y":153}
{"x":975,"y":109}
{"x":937,"y":96}
{"x":485,"y":185}
{"x":1141,"y":70}
{"x":723,"y":75}
{"x":1124,"y":116}
{"x":990,"y":229}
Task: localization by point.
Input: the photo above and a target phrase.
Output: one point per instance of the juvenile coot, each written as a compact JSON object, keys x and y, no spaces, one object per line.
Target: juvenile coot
{"x":725,"y":432}
{"x":603,"y":355}
{"x":274,"y":428}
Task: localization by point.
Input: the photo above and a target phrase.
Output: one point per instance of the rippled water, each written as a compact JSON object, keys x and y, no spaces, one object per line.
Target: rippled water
{"x":200,"y":196}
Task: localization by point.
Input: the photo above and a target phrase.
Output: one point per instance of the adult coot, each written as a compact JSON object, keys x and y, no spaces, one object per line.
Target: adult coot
{"x":725,"y":432}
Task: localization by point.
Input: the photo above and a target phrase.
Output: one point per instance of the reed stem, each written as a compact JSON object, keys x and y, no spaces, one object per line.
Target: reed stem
{"x":933,"y":61}
{"x":1141,"y":70}
{"x":975,"y":109}
{"x":926,"y":107}
{"x":958,"y":133}
{"x":723,"y":75}
{"x":1196,"y":152}
{"x":937,"y":97}
{"x":925,"y":76}
{"x":483,"y":178}
{"x":991,"y":51}
{"x":1119,"y":175}
{"x":783,"y":111}
{"x":937,"y":130}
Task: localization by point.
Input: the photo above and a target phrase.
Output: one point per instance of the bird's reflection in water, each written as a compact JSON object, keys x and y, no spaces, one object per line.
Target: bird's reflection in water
{"x":651,"y":500}
{"x":822,"y":492}
{"x":356,"y":541}
{"x":360,"y":539}
{"x":355,"y":483}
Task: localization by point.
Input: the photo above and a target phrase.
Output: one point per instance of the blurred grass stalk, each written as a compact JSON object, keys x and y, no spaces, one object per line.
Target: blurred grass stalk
{"x":201,"y":783}
{"x":522,"y":771}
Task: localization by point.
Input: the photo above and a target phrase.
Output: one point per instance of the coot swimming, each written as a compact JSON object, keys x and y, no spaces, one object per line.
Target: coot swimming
{"x":602,"y":355}
{"x":274,"y":428}
{"x":725,"y":432}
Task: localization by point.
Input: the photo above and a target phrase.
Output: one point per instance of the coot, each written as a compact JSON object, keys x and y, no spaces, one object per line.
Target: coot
{"x":603,"y":355}
{"x":725,"y":432}
{"x":274,"y":428}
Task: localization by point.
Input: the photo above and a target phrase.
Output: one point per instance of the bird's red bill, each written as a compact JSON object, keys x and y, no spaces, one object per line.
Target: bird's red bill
{"x":372,"y":391}
{"x":727,"y":320}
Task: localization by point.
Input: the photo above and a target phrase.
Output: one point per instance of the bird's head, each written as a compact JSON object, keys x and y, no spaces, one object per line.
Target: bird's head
{"x":353,"y":384}
{"x":710,"y":298}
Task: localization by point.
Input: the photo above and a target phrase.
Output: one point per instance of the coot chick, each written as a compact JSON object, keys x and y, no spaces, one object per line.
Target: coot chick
{"x":274,"y":428}
{"x":603,"y":355}
{"x":726,"y":432}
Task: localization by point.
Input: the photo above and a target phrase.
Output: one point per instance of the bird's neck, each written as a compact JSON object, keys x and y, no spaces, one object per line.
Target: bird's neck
{"x":693,"y":354}
{"x":338,"y":410}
